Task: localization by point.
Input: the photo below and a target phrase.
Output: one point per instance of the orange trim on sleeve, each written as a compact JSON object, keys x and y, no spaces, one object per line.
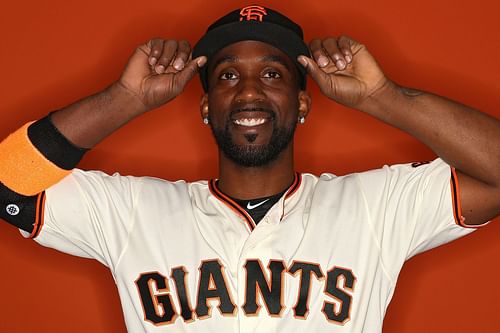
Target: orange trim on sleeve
{"x":23,"y":169}
{"x":39,"y":215}
{"x":457,"y":205}
{"x":455,"y":196}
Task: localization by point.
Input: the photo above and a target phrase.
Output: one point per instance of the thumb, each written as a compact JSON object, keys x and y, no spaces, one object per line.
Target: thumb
{"x":190,"y":70}
{"x":313,"y":69}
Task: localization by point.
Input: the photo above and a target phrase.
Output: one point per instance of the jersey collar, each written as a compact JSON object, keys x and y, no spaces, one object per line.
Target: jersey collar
{"x":216,"y":192}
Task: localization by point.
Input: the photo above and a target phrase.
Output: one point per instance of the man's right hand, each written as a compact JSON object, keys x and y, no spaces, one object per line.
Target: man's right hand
{"x":156,"y":73}
{"x":159,"y":70}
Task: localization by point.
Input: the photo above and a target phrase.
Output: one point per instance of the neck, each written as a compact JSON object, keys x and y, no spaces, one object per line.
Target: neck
{"x":256,"y":182}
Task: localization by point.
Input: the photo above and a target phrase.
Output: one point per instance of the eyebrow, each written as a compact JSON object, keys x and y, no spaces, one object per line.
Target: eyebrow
{"x":224,"y":59}
{"x":266,"y":58}
{"x":275,"y":58}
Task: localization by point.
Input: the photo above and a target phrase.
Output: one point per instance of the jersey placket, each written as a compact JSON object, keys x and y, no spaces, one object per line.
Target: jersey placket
{"x":259,"y":247}
{"x":255,"y":248}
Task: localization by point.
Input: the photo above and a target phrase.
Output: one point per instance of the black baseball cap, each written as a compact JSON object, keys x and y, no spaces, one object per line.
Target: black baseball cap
{"x":253,"y":23}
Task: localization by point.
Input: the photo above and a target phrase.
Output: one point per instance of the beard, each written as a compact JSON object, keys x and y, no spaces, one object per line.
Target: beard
{"x":254,"y":155}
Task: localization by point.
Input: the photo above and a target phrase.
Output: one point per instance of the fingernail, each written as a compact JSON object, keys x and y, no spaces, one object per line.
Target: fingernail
{"x":302,"y":61}
{"x":152,"y":61}
{"x":348,"y":58}
{"x":322,"y":61}
{"x":178,"y":64}
{"x":201,"y":61}
{"x":160,"y":69}
{"x":340,"y":64}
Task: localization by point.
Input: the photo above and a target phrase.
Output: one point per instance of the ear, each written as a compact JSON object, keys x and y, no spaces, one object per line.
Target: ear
{"x":204,"y":106}
{"x":304,"y":103}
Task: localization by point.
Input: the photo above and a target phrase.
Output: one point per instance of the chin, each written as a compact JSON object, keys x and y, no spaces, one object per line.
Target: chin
{"x":252,"y":152}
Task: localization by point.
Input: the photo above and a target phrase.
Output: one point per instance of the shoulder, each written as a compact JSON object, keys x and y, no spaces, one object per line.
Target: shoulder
{"x":98,"y":181}
{"x":385,"y":176}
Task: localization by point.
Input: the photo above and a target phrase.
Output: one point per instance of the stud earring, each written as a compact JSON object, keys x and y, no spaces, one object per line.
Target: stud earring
{"x":302,"y":119}
{"x":205,"y":120}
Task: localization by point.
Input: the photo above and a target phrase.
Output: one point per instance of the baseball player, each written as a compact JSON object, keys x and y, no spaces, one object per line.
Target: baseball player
{"x":262,"y":248}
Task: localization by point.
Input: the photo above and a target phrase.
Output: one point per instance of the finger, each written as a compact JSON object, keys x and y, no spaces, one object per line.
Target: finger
{"x":192,"y":67}
{"x":345,"y":45}
{"x":313,"y":69}
{"x":316,"y":48}
{"x":331,"y":47}
{"x":167,"y":55}
{"x":183,"y":53}
{"x":155,"y":46}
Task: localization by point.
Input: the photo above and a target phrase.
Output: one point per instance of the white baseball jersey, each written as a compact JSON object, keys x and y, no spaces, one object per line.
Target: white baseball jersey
{"x":185,"y":258}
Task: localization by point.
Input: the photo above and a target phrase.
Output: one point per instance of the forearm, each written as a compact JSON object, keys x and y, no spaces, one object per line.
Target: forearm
{"x":41,"y":153}
{"x":465,"y":138}
{"x":88,"y":121}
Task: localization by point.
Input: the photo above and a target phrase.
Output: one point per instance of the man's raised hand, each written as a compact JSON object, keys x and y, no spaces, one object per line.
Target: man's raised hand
{"x":344,"y":70}
{"x":159,"y":70}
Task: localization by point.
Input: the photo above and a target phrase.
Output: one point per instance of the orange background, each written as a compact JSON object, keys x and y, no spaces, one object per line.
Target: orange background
{"x":54,"y":52}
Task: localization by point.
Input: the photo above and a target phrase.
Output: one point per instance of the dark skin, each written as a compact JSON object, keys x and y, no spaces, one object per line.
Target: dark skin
{"x":254,"y":75}
{"x":345,"y":72}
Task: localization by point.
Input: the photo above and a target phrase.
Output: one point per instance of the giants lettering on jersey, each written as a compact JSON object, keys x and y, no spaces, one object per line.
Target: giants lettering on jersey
{"x":159,"y":309}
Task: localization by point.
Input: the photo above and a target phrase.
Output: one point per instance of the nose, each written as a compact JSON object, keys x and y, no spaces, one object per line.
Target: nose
{"x":249,"y":90}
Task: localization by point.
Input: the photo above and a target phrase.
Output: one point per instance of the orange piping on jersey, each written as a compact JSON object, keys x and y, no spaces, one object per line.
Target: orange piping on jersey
{"x":212,"y":186}
{"x":23,"y":169}
{"x":295,"y":185}
{"x":291,"y":190}
{"x":457,"y":205}
{"x":39,"y":215}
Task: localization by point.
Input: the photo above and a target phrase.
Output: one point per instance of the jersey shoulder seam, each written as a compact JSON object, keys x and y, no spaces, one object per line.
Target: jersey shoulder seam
{"x":370,"y":223}
{"x":131,"y":225}
{"x":49,"y":229}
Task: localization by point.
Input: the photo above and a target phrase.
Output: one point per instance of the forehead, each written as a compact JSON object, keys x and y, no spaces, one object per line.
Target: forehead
{"x":251,"y":52}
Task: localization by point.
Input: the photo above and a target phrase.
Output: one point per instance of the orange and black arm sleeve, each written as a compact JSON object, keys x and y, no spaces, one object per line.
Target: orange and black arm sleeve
{"x":32,"y":159}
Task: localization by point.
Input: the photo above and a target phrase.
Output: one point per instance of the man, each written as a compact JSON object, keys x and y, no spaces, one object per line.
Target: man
{"x":262,"y":248}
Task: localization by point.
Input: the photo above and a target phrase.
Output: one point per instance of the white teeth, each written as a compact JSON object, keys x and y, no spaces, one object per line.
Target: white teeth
{"x":250,"y":121}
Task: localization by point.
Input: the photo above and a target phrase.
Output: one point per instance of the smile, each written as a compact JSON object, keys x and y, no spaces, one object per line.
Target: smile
{"x":250,"y":122}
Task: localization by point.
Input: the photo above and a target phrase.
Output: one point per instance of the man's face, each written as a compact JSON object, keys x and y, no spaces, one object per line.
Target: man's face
{"x":254,"y":101}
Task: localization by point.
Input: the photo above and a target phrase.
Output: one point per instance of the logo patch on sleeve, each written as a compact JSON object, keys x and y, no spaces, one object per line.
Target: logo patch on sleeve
{"x":12,"y":209}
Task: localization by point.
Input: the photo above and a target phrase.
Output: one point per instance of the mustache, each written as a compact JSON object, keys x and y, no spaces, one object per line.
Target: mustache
{"x":252,"y":107}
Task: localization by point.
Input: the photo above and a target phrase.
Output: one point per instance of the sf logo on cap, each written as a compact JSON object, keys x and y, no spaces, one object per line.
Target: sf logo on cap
{"x":255,"y":13}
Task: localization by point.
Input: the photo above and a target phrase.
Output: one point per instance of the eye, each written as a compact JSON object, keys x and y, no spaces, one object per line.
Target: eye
{"x":272,"y":74}
{"x":228,"y":76}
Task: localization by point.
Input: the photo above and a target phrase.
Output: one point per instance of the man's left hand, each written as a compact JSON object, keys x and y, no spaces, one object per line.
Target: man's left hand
{"x":344,"y":70}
